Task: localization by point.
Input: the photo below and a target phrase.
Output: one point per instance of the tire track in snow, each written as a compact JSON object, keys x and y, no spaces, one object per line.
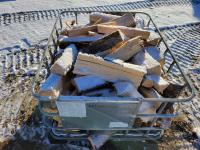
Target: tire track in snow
{"x":20,"y":17}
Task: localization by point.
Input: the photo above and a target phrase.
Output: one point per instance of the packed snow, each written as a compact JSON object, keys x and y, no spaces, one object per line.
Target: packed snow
{"x":33,"y":31}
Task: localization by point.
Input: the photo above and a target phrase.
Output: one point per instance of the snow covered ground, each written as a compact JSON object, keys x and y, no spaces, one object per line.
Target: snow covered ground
{"x":16,"y":35}
{"x":33,"y":31}
{"x":8,"y":6}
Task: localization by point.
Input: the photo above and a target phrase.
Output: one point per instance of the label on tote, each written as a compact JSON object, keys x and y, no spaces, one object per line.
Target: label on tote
{"x":71,"y":109}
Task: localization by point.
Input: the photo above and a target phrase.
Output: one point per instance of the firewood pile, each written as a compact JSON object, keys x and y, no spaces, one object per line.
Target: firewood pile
{"x":109,"y":57}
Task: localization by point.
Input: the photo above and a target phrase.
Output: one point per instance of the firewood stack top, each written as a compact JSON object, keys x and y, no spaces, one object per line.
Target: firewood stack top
{"x":108,"y":57}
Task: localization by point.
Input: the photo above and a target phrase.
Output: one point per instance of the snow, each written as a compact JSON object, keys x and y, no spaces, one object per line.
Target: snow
{"x":33,"y":31}
{"x":51,"y":84}
{"x":26,"y":5}
{"x":175,"y":15}
{"x":88,"y":82}
{"x":64,"y":63}
{"x":126,"y":89}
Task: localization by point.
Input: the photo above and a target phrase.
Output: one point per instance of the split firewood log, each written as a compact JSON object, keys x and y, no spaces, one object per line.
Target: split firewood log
{"x":52,"y":86}
{"x":112,"y":70}
{"x":106,"y":43}
{"x":126,"y":89}
{"x":149,"y":107}
{"x":63,"y":64}
{"x":127,"y":49}
{"x":159,"y":83}
{"x":128,"y":31}
{"x":81,"y":31}
{"x":79,"y":39}
{"x":88,"y":82}
{"x":126,"y":20}
{"x":153,"y":39}
{"x":143,"y":58}
{"x":101,"y":17}
{"x":156,"y":54}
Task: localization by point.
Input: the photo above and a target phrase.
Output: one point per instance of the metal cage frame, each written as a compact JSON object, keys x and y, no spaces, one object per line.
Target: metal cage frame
{"x":150,"y":132}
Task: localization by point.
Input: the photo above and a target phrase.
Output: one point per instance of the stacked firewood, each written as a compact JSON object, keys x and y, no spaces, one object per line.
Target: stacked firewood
{"x":109,"y":57}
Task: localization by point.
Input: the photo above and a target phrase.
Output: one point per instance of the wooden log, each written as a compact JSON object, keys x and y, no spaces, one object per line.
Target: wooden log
{"x":156,"y":54}
{"x":149,"y":107}
{"x":127,"y":49}
{"x":63,"y":64}
{"x":147,"y":82}
{"x":128,"y":31}
{"x":150,"y":93}
{"x":91,"y":33}
{"x":108,"y":70}
{"x":143,"y":58}
{"x":78,"y":39}
{"x":105,"y":43}
{"x":125,"y":20}
{"x":158,"y":82}
{"x":153,"y":39}
{"x":81,"y":31}
{"x":89,"y":82}
{"x":52,"y":86}
{"x":126,"y":89}
{"x":101,"y":17}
